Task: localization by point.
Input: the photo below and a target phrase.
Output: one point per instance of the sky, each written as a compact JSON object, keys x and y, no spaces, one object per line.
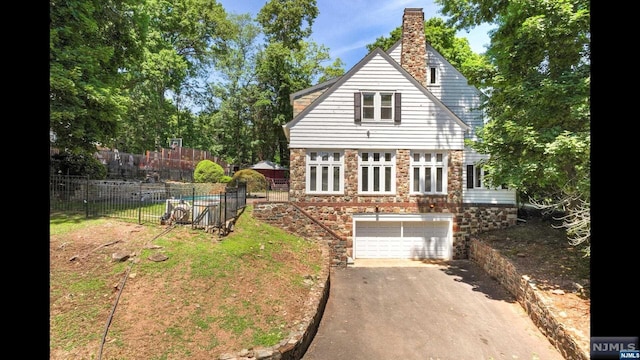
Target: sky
{"x":347,"y":26}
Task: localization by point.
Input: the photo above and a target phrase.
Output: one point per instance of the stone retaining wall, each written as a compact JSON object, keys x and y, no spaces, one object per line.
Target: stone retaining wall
{"x":527,"y":294}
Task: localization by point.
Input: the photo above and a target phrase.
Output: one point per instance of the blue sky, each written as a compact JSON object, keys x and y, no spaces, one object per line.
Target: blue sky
{"x":347,"y":26}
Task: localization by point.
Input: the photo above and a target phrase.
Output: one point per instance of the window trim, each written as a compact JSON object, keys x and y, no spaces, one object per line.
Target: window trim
{"x":393,"y":106}
{"x":433,"y":165}
{"x":473,"y":178}
{"x":434,"y":76}
{"x":331,"y":164}
{"x":372,"y":166}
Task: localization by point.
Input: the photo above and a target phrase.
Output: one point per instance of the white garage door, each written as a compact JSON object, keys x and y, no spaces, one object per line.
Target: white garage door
{"x":402,"y":240}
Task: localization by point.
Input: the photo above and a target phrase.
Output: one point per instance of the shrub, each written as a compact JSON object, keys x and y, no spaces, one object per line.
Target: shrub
{"x":83,"y":164}
{"x":225,"y":179}
{"x":207,"y":171}
{"x":255,"y":181}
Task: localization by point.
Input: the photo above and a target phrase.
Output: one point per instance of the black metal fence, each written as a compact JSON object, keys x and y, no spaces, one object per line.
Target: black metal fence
{"x":209,"y":206}
{"x":277,"y":189}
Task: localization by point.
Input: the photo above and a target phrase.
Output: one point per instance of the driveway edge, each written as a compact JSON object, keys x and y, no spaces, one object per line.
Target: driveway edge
{"x":531,"y":300}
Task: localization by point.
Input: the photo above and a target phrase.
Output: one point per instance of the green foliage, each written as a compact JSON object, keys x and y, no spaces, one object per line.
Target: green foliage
{"x":539,"y":132}
{"x":90,"y":42}
{"x":256,"y":182}
{"x":442,"y":37}
{"x":207,"y":171}
{"x":80,"y":163}
{"x":225,"y":179}
{"x":282,"y":21}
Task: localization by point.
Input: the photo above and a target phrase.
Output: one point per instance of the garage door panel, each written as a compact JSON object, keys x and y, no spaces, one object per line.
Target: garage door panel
{"x":402,"y":239}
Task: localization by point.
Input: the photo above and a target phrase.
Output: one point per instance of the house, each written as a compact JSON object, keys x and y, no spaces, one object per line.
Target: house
{"x":377,"y":156}
{"x":270,"y":169}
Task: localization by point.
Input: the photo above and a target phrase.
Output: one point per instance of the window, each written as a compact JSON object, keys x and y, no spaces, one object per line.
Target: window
{"x":433,"y":76}
{"x":475,"y":177}
{"x":428,"y":172}
{"x":324,"y":172}
{"x":377,"y":106}
{"x":475,"y":174}
{"x":377,"y":172}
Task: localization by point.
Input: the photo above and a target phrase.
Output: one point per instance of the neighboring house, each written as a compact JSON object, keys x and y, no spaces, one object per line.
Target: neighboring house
{"x":377,"y":156}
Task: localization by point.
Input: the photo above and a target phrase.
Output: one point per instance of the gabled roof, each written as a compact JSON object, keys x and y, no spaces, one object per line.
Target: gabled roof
{"x":314,"y":88}
{"x":339,"y":81}
{"x":267,"y":165}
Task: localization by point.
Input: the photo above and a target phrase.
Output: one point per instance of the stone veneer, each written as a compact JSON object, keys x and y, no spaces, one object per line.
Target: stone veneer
{"x":329,"y":217}
{"x":414,"y":46}
{"x":532,"y":301}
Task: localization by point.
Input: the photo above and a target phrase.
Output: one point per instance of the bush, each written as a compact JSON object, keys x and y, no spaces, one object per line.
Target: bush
{"x":225,"y":179}
{"x":255,"y":181}
{"x":83,"y":164}
{"x":207,"y":171}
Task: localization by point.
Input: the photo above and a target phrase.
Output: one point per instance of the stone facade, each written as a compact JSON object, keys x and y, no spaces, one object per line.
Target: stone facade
{"x":329,"y":217}
{"x":301,"y":102}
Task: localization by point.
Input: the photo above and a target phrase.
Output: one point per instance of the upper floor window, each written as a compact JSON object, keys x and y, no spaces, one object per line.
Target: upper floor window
{"x":325,"y":170}
{"x":434,"y":78}
{"x":428,"y":172}
{"x":376,"y":172}
{"x":377,"y":106}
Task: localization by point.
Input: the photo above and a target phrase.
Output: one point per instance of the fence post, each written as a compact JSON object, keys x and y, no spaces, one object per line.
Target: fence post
{"x":193,"y":206}
{"x":86,"y":198}
{"x":140,"y":202}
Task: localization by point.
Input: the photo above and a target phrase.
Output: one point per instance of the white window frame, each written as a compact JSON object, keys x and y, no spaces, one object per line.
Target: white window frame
{"x":433,"y":76}
{"x":377,"y":105}
{"x":432,"y":164}
{"x":477,"y":176}
{"x":321,"y":168}
{"x":379,"y":170}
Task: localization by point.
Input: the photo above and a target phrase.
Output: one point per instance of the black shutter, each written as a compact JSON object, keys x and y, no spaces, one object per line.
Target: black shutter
{"x":398,"y":105}
{"x":469,"y":176}
{"x":357,"y":113}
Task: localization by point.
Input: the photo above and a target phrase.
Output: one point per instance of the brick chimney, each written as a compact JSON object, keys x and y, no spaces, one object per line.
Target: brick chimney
{"x":414,"y":45}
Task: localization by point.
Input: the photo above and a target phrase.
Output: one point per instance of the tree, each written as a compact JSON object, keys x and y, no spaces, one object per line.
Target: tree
{"x":443,"y":38}
{"x":235,"y":86}
{"x":90,"y":42}
{"x":183,"y":38}
{"x":287,"y":64}
{"x":539,"y":132}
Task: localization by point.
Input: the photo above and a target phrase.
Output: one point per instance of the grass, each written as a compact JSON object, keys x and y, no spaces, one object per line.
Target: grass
{"x":229,"y":284}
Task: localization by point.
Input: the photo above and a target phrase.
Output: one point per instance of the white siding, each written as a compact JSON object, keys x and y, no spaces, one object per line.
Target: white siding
{"x":424,"y":125}
{"x":453,"y":88}
{"x":479,"y":195}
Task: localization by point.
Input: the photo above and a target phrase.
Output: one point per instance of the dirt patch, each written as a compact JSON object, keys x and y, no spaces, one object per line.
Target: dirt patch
{"x":178,"y":310}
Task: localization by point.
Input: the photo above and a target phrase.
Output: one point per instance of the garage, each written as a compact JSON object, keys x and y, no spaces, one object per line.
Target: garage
{"x":394,"y":236}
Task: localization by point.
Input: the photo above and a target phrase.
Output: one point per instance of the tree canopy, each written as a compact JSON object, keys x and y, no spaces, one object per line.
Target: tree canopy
{"x":538,"y":133}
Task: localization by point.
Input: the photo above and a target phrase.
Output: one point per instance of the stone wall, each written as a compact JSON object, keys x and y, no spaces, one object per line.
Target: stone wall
{"x":293,"y":219}
{"x":333,"y":213}
{"x":527,"y":294}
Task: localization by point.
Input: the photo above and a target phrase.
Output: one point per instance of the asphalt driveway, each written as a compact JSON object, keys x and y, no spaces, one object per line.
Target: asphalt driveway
{"x":445,"y":311}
